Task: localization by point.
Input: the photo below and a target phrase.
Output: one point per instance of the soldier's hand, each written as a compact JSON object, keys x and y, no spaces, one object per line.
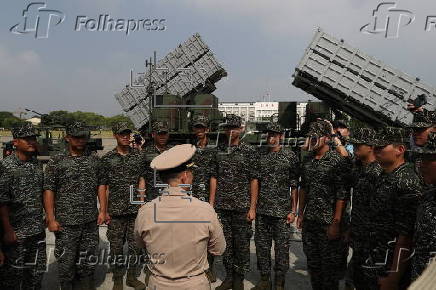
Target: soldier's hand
{"x":388,"y":283}
{"x":101,"y":219}
{"x":299,"y":222}
{"x":108,"y":219}
{"x":333,"y":231}
{"x":10,"y":237}
{"x":251,"y":215}
{"x":54,"y":226}
{"x":413,"y":109}
{"x":290,"y":218}
{"x":2,"y":258}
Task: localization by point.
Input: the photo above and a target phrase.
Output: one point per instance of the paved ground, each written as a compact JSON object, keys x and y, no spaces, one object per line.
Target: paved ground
{"x":297,"y":277}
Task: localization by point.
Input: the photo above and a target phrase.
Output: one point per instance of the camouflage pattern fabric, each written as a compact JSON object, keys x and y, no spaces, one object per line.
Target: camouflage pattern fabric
{"x":363,"y":178}
{"x":324,"y":183}
{"x":425,"y":234}
{"x":269,"y":228}
{"x":78,"y":129}
{"x":274,"y":127}
{"x":200,"y":120}
{"x":425,"y":119}
{"x":160,"y":126}
{"x":24,"y":130}
{"x":326,"y":259}
{"x":237,"y":232}
{"x":74,"y":180}
{"x":232,"y":121}
{"x":120,"y":231}
{"x":21,"y":187}
{"x":119,"y":172}
{"x":148,"y":153}
{"x":234,"y":167}
{"x":392,"y":212}
{"x":25,"y":263}
{"x":76,"y":251}
{"x":278,"y":172}
{"x":121,"y":127}
{"x":390,"y":135}
{"x":203,"y":159}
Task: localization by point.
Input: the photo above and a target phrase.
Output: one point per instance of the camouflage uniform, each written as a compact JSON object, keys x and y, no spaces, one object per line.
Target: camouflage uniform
{"x":421,"y":120}
{"x":323,"y":183}
{"x":203,"y":158}
{"x":234,"y":167}
{"x":149,"y":152}
{"x":363,"y":179}
{"x":425,"y":229}
{"x":392,"y":211}
{"x":120,"y":173}
{"x":278,"y":173}
{"x":21,"y":191}
{"x":74,"y":181}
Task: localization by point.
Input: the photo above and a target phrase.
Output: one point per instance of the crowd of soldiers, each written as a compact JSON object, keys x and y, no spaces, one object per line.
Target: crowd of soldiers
{"x":373,"y":192}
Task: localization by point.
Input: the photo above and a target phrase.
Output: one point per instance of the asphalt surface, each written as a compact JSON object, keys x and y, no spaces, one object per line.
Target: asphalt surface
{"x":296,"y":278}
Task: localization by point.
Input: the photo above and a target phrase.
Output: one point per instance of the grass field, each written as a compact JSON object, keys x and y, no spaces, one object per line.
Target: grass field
{"x":56,"y":134}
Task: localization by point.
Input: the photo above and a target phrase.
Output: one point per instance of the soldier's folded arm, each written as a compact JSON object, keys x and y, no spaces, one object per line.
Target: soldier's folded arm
{"x":8,"y":231}
{"x":217,"y":242}
{"x":50,"y":185}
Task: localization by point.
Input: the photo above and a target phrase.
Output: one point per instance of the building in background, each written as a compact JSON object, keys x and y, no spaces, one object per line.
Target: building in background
{"x":260,"y":111}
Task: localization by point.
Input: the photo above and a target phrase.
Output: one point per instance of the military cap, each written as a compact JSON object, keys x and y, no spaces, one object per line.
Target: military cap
{"x":429,"y":147}
{"x":160,"y":126}
{"x":274,"y":127}
{"x":178,"y":157}
{"x":319,"y":129}
{"x":24,"y":130}
{"x":78,"y":129}
{"x":363,"y":136}
{"x":424,"y":119}
{"x":390,"y":135}
{"x":340,"y":124}
{"x":232,"y":121}
{"x":121,"y":127}
{"x":200,"y":120}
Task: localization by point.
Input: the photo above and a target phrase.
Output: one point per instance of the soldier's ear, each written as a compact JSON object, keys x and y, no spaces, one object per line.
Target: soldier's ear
{"x":14,"y":142}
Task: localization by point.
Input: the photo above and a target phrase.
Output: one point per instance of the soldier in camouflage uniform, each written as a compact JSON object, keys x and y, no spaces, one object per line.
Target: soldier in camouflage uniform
{"x":121,"y":171}
{"x":323,"y":196}
{"x":21,"y":210}
{"x":425,"y":229}
{"x":203,"y":159}
{"x":392,"y":213}
{"x":423,"y":124}
{"x":234,"y":190}
{"x":70,"y":201}
{"x":160,"y":135}
{"x":276,"y":209}
{"x":363,"y":178}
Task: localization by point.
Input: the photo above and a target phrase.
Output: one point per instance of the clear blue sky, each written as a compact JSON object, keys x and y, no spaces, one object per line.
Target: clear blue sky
{"x":258,"y":42}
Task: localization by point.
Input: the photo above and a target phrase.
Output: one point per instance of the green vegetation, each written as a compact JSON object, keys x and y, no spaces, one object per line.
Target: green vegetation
{"x":63,"y":118}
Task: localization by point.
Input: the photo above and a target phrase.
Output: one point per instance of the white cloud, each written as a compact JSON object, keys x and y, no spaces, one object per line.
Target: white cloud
{"x":16,"y":63}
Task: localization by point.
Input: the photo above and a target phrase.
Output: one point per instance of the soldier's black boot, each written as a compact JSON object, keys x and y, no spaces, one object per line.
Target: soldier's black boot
{"x":66,"y":286}
{"x":279,"y":282}
{"x":210,"y":273}
{"x":131,"y":281}
{"x":238,"y":281}
{"x":87,"y":283}
{"x":226,"y":284}
{"x":264,"y":283}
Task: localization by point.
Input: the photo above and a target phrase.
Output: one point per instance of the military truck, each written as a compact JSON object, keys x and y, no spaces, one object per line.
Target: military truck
{"x":360,"y":85}
{"x":174,"y":89}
